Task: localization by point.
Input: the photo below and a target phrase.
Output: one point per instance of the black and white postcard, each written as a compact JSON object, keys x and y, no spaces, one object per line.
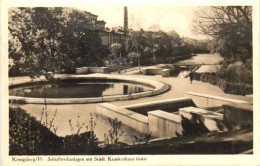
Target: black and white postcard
{"x":130,"y":83}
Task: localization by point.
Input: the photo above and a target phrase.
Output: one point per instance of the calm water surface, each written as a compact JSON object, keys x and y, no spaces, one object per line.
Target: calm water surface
{"x":207,"y":59}
{"x":208,"y":62}
{"x":79,"y":90}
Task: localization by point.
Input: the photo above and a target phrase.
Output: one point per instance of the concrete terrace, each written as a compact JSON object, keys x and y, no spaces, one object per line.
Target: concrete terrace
{"x":71,"y":111}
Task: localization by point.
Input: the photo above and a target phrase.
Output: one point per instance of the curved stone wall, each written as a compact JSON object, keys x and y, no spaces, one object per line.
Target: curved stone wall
{"x":159,"y":88}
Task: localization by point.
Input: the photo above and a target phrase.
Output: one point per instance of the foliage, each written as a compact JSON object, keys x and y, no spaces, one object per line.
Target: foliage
{"x":237,"y":73}
{"x":17,"y":101}
{"x":52,"y":39}
{"x":48,"y":123}
{"x":143,"y":138}
{"x":114,"y":133}
{"x":134,"y":56}
{"x":82,"y":44}
{"x":230,"y":27}
{"x":159,"y":47}
{"x":78,"y":143}
{"x":31,"y":137}
{"x":116,"y":50}
{"x":27,"y":136}
{"x":238,"y":88}
{"x":196,"y":46}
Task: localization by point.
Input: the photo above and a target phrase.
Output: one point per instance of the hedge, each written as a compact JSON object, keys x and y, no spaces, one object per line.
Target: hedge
{"x":27,"y":136}
{"x":228,"y":87}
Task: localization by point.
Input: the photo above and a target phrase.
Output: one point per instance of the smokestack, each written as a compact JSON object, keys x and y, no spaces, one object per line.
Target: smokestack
{"x":125,"y":19}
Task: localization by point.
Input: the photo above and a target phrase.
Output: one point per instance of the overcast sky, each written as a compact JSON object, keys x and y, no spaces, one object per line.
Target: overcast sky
{"x":167,"y":18}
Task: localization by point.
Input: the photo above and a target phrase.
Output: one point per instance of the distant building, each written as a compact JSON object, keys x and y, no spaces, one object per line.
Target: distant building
{"x":92,"y":20}
{"x":101,"y":25}
{"x":109,"y":36}
{"x":114,"y":36}
{"x":92,"y":17}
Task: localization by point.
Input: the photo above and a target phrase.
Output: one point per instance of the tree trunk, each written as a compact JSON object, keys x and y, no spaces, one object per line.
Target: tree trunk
{"x":139,"y":64}
{"x":154,"y":58}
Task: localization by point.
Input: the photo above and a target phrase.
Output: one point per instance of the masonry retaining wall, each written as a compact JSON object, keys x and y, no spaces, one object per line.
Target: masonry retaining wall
{"x":171,"y":105}
{"x":238,"y":115}
{"x":161,"y":124}
{"x":187,"y":120}
{"x":204,"y":100}
{"x":86,"y":70}
{"x":156,"y":71}
{"x":164,"y":124}
{"x":135,"y":120}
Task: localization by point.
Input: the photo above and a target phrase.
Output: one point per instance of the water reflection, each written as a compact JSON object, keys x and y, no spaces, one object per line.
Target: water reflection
{"x":79,"y":90}
{"x":208,"y":62}
{"x":204,"y":59}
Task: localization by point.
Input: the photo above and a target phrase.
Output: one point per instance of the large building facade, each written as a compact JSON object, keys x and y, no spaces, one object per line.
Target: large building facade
{"x":110,"y":36}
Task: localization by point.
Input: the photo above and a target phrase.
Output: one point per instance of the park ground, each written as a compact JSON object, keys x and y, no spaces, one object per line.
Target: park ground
{"x":179,"y":86}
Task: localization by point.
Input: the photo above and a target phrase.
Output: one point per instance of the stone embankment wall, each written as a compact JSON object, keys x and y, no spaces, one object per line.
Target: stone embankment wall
{"x":86,"y":70}
{"x":238,"y":115}
{"x":134,"y":120}
{"x":156,"y":71}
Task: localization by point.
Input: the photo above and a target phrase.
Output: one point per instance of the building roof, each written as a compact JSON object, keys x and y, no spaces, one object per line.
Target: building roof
{"x":113,"y":31}
{"x":91,"y":13}
{"x":101,"y":21}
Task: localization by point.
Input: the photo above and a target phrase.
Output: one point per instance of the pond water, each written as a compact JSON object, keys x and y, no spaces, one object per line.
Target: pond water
{"x":207,"y":59}
{"x":208,"y":62}
{"x":85,"y":89}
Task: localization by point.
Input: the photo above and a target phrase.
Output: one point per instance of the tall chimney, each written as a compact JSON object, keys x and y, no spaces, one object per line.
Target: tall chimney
{"x":125,"y":19}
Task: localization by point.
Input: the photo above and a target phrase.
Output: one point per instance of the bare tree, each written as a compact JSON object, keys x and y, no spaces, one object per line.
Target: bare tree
{"x":229,"y":26}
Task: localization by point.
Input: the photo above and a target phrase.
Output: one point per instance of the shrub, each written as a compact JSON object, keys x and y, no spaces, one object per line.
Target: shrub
{"x":235,"y":87}
{"x":143,"y":137}
{"x":27,"y":136}
{"x":114,"y":133}
{"x":17,"y":101}
{"x":237,"y":73}
{"x":77,"y":143}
